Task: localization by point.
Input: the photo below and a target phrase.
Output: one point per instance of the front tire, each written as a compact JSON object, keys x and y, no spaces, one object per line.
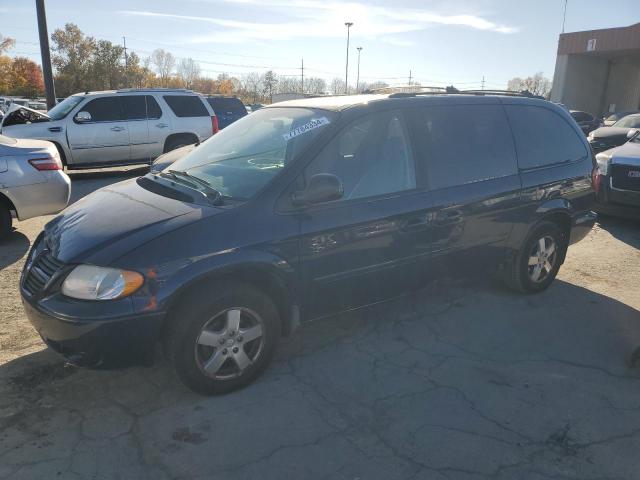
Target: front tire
{"x":220,"y":341}
{"x":536,"y":264}
{"x":5,"y":220}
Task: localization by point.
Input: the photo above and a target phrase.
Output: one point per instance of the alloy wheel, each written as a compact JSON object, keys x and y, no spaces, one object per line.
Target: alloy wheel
{"x":542,"y":259}
{"x":229,"y":343}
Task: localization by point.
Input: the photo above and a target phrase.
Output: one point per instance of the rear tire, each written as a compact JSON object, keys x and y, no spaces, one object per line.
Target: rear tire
{"x":178,"y":142}
{"x":205,"y":341}
{"x":534,"y":267}
{"x":5,"y":220}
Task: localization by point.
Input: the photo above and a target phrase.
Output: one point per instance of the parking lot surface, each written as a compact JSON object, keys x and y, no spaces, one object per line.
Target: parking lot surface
{"x":462,"y":380}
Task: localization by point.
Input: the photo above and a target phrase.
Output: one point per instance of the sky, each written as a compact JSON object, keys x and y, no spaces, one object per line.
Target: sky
{"x":439,"y":42}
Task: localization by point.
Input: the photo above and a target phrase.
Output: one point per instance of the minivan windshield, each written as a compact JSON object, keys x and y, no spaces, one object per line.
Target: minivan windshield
{"x":241,"y":159}
{"x":63,"y":108}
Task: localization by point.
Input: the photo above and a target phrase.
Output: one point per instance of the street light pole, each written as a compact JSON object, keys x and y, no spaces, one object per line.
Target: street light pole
{"x":358,"y":77}
{"x":346,"y":69}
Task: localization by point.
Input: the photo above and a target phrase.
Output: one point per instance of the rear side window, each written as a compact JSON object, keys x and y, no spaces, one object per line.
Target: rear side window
{"x":224,"y":105}
{"x":543,"y":137}
{"x":134,"y":107}
{"x":463,"y":144}
{"x":153,"y":109}
{"x":186,"y":105}
{"x":104,"y":109}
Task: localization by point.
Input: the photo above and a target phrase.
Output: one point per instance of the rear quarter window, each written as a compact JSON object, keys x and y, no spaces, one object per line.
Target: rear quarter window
{"x":543,"y":137}
{"x":223,"y":105}
{"x":186,"y":105}
{"x":461,"y":144}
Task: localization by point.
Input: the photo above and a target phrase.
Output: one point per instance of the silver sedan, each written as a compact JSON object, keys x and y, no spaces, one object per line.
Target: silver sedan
{"x":32,"y":182}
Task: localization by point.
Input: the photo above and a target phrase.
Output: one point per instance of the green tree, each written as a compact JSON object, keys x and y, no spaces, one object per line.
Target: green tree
{"x":108,"y":70}
{"x":72,"y":59}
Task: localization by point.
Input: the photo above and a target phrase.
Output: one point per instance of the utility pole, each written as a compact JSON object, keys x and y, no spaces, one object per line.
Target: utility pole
{"x":358,"y":77}
{"x":483,"y":82}
{"x":126,"y":63}
{"x":302,"y":69}
{"x":46,"y":54}
{"x":410,"y":77}
{"x":346,"y":68}
{"x":564,"y":16}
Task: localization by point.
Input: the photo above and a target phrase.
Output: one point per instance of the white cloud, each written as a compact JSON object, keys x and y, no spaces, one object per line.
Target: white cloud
{"x":317,"y":19}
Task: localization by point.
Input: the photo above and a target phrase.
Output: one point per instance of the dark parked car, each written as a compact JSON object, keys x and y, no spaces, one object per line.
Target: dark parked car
{"x":228,"y":109}
{"x":605,"y":138}
{"x":613,"y":118}
{"x":304,"y":209}
{"x":617,"y":183}
{"x":586,"y":121}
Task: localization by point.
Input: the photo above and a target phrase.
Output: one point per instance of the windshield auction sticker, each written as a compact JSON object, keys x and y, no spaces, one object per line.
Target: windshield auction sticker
{"x":315,"y":123}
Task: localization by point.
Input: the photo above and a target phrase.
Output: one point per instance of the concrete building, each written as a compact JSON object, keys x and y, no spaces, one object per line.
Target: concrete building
{"x":598,"y":71}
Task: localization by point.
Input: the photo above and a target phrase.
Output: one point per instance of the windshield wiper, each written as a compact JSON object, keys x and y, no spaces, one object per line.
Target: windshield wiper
{"x":213,"y":195}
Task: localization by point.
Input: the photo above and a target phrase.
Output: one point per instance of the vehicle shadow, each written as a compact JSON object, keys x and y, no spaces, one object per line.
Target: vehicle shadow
{"x":624,"y":229}
{"x":84,"y":182}
{"x":13,"y":248}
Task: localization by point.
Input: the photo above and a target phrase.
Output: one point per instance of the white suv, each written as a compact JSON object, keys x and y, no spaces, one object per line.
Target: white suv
{"x":109,"y":128}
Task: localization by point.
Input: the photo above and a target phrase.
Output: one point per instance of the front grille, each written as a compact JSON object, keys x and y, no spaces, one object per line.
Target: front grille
{"x":626,"y":177}
{"x":40,"y":272}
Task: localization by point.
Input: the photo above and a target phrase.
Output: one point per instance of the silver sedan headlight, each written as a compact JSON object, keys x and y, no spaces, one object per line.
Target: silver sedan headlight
{"x":88,"y":282}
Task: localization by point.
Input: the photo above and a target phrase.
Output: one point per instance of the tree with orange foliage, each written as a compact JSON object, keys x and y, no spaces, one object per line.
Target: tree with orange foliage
{"x":26,"y":78}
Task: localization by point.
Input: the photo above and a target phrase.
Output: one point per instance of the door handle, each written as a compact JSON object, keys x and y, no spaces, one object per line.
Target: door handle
{"x":161,"y":125}
{"x":117,"y":129}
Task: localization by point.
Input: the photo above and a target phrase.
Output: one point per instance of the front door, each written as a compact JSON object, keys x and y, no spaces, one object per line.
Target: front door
{"x":102,"y":139}
{"x":372,"y":243}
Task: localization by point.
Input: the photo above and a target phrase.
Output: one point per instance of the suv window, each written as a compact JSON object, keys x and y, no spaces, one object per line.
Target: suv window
{"x":464,"y":143}
{"x":141,"y":107}
{"x":104,"y":109}
{"x":372,"y":156}
{"x":135,"y":107}
{"x":543,"y":137}
{"x":186,"y":105}
{"x":226,"y":104}
{"x":153,"y":109}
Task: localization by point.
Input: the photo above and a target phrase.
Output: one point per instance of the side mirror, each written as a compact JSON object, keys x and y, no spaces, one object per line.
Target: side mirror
{"x":82,"y":117}
{"x":323,"y":187}
{"x":632,"y":133}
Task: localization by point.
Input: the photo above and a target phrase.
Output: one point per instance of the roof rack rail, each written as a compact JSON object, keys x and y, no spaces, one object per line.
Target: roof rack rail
{"x":508,"y":93}
{"x":158,"y":89}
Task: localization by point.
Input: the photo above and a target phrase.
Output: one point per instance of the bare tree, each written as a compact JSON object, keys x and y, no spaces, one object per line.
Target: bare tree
{"x":188,"y":70}
{"x":164,"y":63}
{"x":252,"y":82}
{"x":538,"y":84}
{"x":337,"y":86}
{"x":6,"y":43}
{"x":315,"y":85}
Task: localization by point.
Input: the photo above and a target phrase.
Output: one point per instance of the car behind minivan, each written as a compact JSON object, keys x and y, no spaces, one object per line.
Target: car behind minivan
{"x":301,"y":210}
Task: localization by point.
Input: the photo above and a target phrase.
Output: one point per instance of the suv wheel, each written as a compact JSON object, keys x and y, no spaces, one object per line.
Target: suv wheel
{"x":5,"y":220}
{"x":536,"y":264}
{"x":223,"y":341}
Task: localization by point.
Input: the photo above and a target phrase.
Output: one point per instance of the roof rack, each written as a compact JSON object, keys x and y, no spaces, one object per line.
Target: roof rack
{"x":451,"y":90}
{"x":126,"y":90}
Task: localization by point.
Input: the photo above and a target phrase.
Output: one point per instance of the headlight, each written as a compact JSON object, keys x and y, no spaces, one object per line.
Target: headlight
{"x":87,"y":282}
{"x":603,"y":159}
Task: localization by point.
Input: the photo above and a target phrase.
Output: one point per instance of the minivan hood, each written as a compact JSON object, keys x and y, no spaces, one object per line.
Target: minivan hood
{"x":605,"y":132}
{"x":111,"y":221}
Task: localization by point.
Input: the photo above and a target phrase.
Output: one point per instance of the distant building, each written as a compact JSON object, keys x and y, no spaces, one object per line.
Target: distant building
{"x":598,"y":71}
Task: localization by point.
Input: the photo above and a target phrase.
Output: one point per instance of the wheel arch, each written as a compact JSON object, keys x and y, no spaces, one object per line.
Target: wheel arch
{"x":5,"y":200}
{"x":177,"y":136}
{"x":263,"y":277}
{"x":556,"y":211}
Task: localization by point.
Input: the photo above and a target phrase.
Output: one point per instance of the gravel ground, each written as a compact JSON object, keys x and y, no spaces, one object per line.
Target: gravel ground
{"x":458,"y":381}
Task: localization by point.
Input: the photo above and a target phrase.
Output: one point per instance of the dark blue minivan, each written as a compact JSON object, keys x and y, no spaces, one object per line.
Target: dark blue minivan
{"x":301,"y":210}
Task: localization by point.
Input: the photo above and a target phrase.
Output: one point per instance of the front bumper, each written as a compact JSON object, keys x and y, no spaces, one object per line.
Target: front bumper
{"x":116,"y":341}
{"x":617,"y":202}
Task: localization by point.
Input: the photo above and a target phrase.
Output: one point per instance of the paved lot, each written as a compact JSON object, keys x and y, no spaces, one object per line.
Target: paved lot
{"x":459,"y":381}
